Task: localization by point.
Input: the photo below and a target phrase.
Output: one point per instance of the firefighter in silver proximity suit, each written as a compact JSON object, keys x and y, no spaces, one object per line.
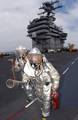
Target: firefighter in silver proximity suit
{"x":45,"y":76}
{"x":21,"y":53}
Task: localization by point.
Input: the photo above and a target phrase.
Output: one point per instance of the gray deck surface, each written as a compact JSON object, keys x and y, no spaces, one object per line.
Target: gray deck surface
{"x":13,"y":101}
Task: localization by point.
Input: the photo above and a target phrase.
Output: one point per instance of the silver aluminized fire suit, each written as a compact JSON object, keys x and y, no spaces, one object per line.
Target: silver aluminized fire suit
{"x":45,"y":80}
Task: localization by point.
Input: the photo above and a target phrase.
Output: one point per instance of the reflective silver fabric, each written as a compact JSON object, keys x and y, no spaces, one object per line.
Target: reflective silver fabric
{"x":46,"y":80}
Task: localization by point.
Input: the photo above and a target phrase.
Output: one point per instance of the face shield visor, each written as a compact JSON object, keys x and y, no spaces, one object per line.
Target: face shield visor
{"x":35,"y":60}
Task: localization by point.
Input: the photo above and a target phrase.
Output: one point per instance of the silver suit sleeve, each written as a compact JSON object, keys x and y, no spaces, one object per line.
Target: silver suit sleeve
{"x":54,"y":75}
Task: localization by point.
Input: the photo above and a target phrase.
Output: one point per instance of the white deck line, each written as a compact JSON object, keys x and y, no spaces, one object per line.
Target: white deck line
{"x":73,"y":62}
{"x":65,"y":70}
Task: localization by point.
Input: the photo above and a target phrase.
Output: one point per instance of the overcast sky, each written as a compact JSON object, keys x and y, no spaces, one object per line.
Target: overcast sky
{"x":16,"y":14}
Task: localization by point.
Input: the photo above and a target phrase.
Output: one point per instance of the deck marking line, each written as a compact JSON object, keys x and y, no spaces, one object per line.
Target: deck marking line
{"x":76,"y":58}
{"x":65,"y":70}
{"x":73,"y":62}
{"x":16,"y":114}
{"x":70,"y":65}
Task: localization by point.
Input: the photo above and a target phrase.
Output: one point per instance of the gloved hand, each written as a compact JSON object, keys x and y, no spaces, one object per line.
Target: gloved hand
{"x":55,"y":99}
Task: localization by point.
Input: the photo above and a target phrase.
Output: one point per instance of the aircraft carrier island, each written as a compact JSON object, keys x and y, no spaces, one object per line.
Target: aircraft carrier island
{"x":45,"y":34}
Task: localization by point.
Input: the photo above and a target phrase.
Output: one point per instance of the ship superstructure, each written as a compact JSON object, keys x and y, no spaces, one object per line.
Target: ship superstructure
{"x":45,"y":34}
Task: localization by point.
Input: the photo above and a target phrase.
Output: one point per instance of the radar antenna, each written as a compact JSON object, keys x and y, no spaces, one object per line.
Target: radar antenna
{"x":49,"y":7}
